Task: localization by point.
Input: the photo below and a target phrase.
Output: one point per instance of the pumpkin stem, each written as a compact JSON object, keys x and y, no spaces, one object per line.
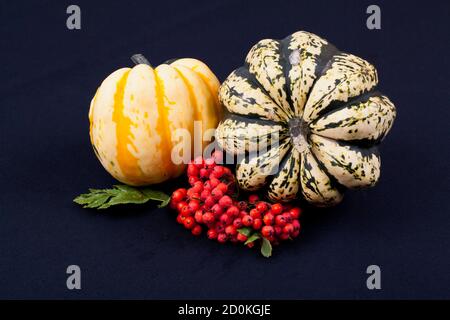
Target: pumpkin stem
{"x":299,"y":131}
{"x":140,"y":59}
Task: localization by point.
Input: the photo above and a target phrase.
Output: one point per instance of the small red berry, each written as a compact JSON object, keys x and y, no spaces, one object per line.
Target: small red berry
{"x":225,"y":219}
{"x":296,"y":225}
{"x":197,"y":187}
{"x":267,"y":231}
{"x":182,"y":190}
{"x":288,"y":228}
{"x":243,"y":214}
{"x":233,"y":211}
{"x":268,"y":219}
{"x":219,"y":227}
{"x":196,"y":230}
{"x":261,"y":207}
{"x":222,"y":237}
{"x":230,"y":230}
{"x":180,"y":219}
{"x":204,"y":173}
{"x":192,"y":180}
{"x":251,"y":244}
{"x":214,"y":182}
{"x":207,"y":185}
{"x":277,"y":208}
{"x":217,"y":209}
{"x":295,"y":234}
{"x":218,"y":171}
{"x":295,"y":213}
{"x":280,"y":220}
{"x":242,"y":205}
{"x":222,"y":186}
{"x":198,"y":216}
{"x":237,"y":222}
{"x":255,"y":213}
{"x":209,"y":202}
{"x":177,"y":196}
{"x":225,"y":201}
{"x":186,"y":211}
{"x":189,"y":222}
{"x":247,"y":221}
{"x":217,"y":194}
{"x":193,"y":195}
{"x":241,"y":237}
{"x":194,"y":205}
{"x":287,"y":217}
{"x":180,"y":205}
{"x":212,"y":234}
{"x":257,"y":223}
{"x":278,"y":230}
{"x":192,"y":170}
{"x":208,"y":218}
{"x":253,"y":198}
{"x":204,"y":194}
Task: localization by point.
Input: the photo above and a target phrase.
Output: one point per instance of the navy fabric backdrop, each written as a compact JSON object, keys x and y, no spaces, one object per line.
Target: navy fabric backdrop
{"x":49,"y":74}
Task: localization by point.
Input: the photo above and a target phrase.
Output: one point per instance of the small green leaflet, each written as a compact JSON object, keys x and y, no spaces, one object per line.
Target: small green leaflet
{"x":248,"y":233}
{"x":266,"y":248}
{"x":252,"y":238}
{"x":120,"y":194}
{"x":245,"y":231}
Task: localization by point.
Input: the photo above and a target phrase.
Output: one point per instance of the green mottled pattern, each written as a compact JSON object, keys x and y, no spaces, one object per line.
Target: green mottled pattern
{"x":347,"y":77}
{"x":371,"y":119}
{"x":351,"y":166}
{"x":316,"y":186}
{"x":330,"y":95}
{"x":242,"y":97}
{"x":303,"y":66}
{"x":285,"y":184}
{"x":264,"y":63}
{"x":252,"y":173}
{"x":238,"y":137}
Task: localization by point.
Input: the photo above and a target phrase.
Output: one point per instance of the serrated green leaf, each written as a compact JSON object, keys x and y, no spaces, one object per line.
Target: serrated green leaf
{"x":245,"y":231}
{"x":157,"y":195}
{"x":120,"y":194}
{"x":252,"y":238}
{"x":266,"y":248}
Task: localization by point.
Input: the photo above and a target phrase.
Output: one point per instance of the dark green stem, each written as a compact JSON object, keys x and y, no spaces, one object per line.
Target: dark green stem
{"x":140,"y":59}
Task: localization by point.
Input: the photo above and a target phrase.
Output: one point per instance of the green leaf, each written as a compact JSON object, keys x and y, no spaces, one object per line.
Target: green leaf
{"x":158,"y":196}
{"x":120,"y":194}
{"x":245,"y":231}
{"x":266,"y":248}
{"x":252,"y":238}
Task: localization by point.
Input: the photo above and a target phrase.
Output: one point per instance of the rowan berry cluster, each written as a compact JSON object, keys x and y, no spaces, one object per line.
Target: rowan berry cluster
{"x":211,"y":203}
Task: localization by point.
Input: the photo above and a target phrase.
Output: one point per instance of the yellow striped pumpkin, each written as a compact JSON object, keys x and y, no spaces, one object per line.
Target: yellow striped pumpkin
{"x":135,"y":112}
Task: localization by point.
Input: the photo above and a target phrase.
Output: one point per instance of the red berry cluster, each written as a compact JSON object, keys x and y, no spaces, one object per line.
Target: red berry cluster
{"x":211,"y":202}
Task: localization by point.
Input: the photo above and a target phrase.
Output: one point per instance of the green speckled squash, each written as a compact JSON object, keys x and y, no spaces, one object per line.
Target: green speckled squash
{"x":323,"y":105}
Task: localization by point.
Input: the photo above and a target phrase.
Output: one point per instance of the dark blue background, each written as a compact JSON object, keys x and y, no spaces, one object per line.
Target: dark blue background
{"x":49,"y":74}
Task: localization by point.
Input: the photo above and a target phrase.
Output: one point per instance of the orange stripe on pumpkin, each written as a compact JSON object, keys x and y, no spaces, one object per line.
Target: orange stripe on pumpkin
{"x":127,"y":162}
